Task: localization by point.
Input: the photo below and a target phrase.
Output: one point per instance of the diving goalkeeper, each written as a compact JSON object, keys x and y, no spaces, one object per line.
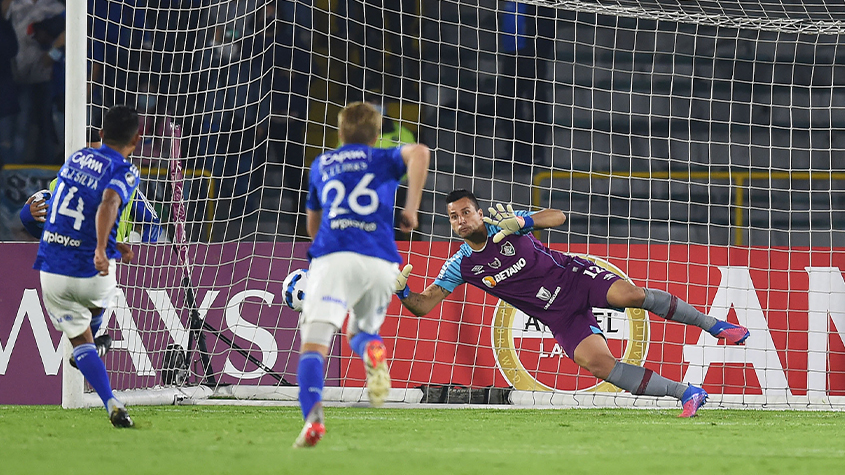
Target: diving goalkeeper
{"x":523,"y":265}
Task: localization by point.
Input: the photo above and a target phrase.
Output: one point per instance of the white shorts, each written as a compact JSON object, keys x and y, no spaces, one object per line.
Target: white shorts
{"x":344,"y":282}
{"x":68,"y":298}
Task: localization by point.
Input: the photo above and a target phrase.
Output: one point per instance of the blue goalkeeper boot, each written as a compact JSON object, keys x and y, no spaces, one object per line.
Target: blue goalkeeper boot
{"x":733,"y":334}
{"x":692,"y":400}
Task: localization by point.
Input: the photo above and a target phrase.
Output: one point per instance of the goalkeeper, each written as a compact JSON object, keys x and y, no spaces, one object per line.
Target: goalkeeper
{"x":354,"y":259}
{"x":501,"y":257}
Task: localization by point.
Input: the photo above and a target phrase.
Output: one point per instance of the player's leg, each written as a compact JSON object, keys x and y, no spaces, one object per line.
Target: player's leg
{"x":370,"y":347}
{"x":68,"y":300}
{"x":324,"y":310}
{"x":593,"y":355}
{"x":92,"y":368}
{"x":102,"y":342}
{"x":623,"y":294}
{"x":365,"y":320}
{"x":316,"y":337}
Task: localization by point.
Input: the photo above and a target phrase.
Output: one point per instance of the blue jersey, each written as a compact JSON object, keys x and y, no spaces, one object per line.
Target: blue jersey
{"x":70,"y":233}
{"x":355,"y":187}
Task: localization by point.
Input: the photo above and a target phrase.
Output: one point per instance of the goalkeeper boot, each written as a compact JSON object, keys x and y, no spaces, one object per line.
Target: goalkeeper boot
{"x":378,"y":378}
{"x":119,"y":416}
{"x":692,"y":399}
{"x":733,"y":334}
{"x":103,"y":344}
{"x":310,"y":435}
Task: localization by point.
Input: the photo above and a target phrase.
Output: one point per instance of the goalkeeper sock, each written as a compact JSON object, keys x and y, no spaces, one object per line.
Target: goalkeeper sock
{"x":672,"y":308}
{"x":96,"y":321}
{"x":94,"y":370}
{"x":641,"y":381}
{"x":309,"y":376}
{"x":359,"y":341}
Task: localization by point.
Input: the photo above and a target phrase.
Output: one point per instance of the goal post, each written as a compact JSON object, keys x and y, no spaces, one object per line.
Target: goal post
{"x":695,"y":147}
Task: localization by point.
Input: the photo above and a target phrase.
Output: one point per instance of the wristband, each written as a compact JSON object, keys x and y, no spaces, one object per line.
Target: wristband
{"x":529,"y":222}
{"x":404,"y":293}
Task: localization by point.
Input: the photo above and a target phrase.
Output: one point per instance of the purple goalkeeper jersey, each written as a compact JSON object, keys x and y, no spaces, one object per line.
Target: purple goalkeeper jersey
{"x":546,"y":284}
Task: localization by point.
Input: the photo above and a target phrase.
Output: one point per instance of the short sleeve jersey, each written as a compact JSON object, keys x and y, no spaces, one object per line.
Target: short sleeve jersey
{"x":519,"y":270}
{"x":355,"y":188}
{"x":70,"y":233}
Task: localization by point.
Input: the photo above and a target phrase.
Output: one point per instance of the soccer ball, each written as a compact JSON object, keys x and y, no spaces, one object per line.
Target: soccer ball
{"x":42,"y":195}
{"x":294,"y":289}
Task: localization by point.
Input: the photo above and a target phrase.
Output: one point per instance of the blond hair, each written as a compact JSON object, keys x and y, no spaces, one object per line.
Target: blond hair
{"x":359,"y":123}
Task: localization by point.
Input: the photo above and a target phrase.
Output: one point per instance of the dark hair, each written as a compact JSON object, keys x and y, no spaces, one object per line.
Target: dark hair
{"x":460,"y":193}
{"x":120,"y":125}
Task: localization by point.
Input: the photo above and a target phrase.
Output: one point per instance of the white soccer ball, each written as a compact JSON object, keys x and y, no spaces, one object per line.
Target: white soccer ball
{"x":41,"y":195}
{"x":294,"y":289}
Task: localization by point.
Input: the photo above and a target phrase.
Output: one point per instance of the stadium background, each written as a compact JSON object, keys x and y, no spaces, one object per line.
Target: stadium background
{"x":653,"y":135}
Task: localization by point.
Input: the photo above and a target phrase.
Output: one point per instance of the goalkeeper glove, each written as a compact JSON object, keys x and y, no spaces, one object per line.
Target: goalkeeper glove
{"x":402,"y":290}
{"x":507,"y":220}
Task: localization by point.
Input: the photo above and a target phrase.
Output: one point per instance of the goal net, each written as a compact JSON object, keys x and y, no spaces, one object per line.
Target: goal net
{"x":695,"y":147}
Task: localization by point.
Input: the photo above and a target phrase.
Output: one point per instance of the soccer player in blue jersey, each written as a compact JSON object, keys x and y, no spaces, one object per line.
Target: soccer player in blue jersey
{"x":354,"y":260}
{"x":574,"y":286}
{"x":141,"y":211}
{"x":78,"y":250}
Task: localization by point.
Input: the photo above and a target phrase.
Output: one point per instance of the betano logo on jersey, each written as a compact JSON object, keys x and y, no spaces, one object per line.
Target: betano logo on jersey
{"x":522,"y":345}
{"x":491,"y":280}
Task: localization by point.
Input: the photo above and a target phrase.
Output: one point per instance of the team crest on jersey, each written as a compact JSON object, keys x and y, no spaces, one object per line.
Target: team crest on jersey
{"x":477,"y":270}
{"x":508,"y":249}
{"x":130,"y":179}
{"x":544,"y":294}
{"x":489,"y":281}
{"x":495,"y":264}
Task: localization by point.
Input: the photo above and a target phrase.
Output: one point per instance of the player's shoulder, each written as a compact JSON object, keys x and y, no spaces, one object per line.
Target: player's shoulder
{"x":459,"y":255}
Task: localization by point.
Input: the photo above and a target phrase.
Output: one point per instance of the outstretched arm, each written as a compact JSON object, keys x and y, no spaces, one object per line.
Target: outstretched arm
{"x":548,"y":218}
{"x":510,"y":222}
{"x":422,"y":303}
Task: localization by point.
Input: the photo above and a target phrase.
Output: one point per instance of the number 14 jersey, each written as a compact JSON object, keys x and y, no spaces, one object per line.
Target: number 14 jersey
{"x":355,"y":188}
{"x":70,"y":233}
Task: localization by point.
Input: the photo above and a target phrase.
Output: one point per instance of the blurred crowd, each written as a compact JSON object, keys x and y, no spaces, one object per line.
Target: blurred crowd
{"x":238,"y":78}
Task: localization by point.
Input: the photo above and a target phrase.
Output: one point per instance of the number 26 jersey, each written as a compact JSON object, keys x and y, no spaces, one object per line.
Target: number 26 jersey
{"x":355,"y":187}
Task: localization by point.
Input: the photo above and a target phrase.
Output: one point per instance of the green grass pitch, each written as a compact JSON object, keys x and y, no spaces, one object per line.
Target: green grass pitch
{"x":257,"y":440}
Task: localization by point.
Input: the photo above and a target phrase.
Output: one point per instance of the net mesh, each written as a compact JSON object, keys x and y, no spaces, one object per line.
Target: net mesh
{"x":693,"y":146}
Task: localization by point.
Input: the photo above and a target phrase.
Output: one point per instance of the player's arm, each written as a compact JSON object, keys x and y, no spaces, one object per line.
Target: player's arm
{"x":548,"y":218}
{"x":418,"y":303}
{"x":34,"y":214}
{"x":416,"y":157}
{"x":312,"y":222}
{"x":421,"y":303}
{"x":105,"y":219}
{"x":510,"y":222}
